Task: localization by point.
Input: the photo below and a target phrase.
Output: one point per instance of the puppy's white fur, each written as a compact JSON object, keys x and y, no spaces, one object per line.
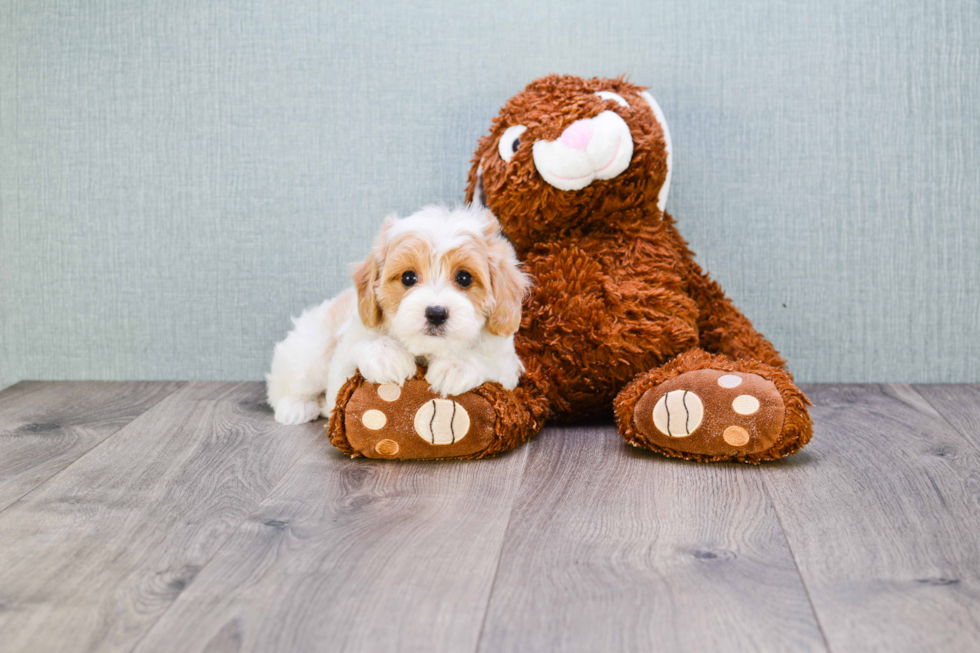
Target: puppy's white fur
{"x":379,"y":327}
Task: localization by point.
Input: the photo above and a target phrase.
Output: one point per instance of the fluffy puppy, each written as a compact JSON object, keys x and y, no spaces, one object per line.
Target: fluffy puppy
{"x":441,"y":288}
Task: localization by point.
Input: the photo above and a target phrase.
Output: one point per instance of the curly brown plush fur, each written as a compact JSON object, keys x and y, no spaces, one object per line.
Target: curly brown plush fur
{"x":336,"y":427}
{"x":617,"y":294}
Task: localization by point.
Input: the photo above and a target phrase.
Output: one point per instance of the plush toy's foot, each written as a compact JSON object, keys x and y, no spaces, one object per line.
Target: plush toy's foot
{"x":706,"y":407}
{"x":410,"y":422}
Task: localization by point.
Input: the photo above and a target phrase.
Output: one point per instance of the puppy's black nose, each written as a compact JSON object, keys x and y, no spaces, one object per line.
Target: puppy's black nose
{"x":436,"y":315}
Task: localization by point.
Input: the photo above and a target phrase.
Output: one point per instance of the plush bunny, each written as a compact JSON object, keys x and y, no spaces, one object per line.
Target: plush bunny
{"x":620,"y":317}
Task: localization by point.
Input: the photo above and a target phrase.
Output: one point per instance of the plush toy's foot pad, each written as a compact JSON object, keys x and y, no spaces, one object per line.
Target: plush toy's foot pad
{"x":411,"y":422}
{"x":712,"y":413}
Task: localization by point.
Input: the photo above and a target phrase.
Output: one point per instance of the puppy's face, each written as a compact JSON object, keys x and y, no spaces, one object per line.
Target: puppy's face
{"x":438,"y":278}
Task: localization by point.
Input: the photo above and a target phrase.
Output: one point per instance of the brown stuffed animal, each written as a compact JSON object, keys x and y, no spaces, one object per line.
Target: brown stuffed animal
{"x":620,"y":317}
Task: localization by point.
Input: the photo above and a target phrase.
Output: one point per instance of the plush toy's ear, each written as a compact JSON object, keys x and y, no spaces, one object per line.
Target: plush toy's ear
{"x":366,"y":276}
{"x":659,"y":114}
{"x":474,"y":187}
{"x":508,"y":284}
{"x":479,"y":197}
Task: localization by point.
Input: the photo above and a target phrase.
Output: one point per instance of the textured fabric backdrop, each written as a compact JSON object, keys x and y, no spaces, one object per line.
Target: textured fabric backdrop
{"x":178,"y":178}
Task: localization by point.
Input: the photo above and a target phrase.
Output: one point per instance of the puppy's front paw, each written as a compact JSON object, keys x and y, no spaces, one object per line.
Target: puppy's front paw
{"x":384,"y":361}
{"x":451,"y":377}
{"x":510,"y":380}
{"x":297,"y":410}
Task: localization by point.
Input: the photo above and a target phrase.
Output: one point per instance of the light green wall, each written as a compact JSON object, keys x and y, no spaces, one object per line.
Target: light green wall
{"x":176,"y":179}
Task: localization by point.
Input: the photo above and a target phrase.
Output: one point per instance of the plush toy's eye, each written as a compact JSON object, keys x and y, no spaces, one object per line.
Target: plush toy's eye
{"x":510,"y":141}
{"x":618,"y":99}
{"x":409,"y":279}
{"x":464,"y":279}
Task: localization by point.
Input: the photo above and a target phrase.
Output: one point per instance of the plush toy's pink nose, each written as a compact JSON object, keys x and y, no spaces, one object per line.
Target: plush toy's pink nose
{"x":578,"y":135}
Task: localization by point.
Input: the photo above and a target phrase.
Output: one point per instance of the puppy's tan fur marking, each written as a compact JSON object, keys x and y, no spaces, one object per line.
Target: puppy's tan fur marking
{"x":509,"y":286}
{"x":408,"y":253}
{"x":366,"y":277}
{"x":470,"y":257}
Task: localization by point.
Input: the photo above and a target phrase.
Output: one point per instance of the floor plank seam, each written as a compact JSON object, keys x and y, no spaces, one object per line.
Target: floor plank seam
{"x":99,"y":444}
{"x":503,"y":545}
{"x":231,"y":534}
{"x":796,"y":565}
{"x":942,"y":415}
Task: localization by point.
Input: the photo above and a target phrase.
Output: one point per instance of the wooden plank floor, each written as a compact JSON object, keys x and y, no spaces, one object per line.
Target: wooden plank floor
{"x":181,"y":517}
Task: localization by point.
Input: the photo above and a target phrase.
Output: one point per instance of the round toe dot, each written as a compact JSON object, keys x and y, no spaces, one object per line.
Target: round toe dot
{"x":387,"y":447}
{"x":389,"y":391}
{"x":736,"y":436}
{"x":442,"y":421}
{"x":678,"y":413}
{"x":374,"y":419}
{"x":745,"y":404}
{"x":729,"y":381}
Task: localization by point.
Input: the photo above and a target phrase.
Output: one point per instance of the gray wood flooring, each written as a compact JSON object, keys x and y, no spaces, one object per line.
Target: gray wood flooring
{"x":181,"y":517}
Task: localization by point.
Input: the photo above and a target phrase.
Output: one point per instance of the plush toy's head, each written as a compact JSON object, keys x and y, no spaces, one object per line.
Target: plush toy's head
{"x":567,"y":153}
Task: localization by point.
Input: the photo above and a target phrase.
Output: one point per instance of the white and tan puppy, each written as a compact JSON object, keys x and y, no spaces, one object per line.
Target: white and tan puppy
{"x":441,"y":287}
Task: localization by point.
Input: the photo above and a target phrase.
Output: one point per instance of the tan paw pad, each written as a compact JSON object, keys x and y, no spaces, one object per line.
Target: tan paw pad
{"x":374,"y":419}
{"x":387,"y":447}
{"x":442,"y":421}
{"x":678,"y":414}
{"x":729,"y":381}
{"x":736,"y":436}
{"x":389,"y":392}
{"x":745,"y":405}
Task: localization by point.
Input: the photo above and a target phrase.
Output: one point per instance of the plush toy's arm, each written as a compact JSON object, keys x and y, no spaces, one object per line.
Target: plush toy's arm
{"x":722,"y":328}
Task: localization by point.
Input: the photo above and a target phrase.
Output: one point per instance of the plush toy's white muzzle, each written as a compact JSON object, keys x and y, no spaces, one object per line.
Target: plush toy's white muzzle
{"x":595,"y":148}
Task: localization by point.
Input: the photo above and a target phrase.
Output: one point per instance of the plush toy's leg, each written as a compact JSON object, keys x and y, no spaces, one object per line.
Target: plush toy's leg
{"x":410,"y":422}
{"x":708,"y":407}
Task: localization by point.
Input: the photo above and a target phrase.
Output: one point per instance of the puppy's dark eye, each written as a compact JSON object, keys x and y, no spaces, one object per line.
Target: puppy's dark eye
{"x":517,"y":144}
{"x":409,"y":279}
{"x":463,"y":277}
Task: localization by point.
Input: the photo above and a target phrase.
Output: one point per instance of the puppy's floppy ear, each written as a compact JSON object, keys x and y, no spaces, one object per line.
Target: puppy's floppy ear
{"x":508,"y":284}
{"x":366,"y":276}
